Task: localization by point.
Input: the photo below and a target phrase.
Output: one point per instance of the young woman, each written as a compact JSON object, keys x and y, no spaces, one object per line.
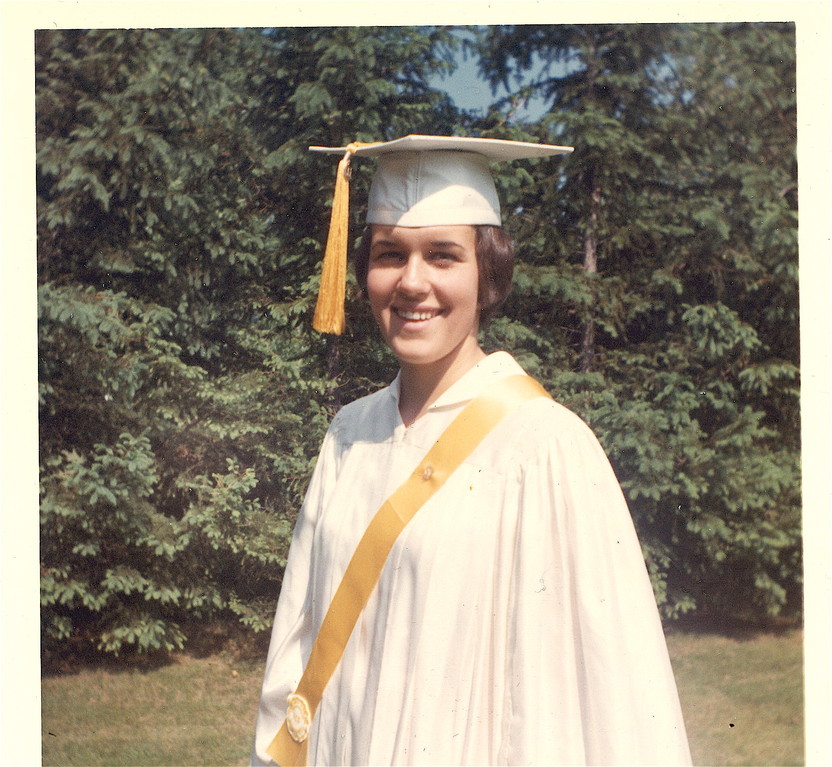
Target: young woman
{"x":509,"y":619}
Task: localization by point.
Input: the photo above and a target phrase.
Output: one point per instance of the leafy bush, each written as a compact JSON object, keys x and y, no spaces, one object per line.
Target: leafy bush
{"x":183,"y":396}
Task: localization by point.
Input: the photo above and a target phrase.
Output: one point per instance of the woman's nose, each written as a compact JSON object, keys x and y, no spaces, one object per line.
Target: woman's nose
{"x":413,"y":277}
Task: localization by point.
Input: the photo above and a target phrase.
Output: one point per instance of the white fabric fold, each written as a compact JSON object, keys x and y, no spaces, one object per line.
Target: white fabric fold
{"x":514,"y":621}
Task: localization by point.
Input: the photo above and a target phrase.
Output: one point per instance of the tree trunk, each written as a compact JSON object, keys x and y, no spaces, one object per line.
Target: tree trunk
{"x":591,"y":267}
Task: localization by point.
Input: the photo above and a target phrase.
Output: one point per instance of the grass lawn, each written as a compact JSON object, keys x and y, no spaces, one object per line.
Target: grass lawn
{"x":195,"y":711}
{"x":742,"y":697}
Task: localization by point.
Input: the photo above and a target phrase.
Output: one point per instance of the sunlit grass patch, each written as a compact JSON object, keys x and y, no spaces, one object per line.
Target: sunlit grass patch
{"x":742,"y":696}
{"x":195,"y":711}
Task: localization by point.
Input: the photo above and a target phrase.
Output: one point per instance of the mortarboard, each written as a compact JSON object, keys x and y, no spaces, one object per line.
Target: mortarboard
{"x":419,"y":181}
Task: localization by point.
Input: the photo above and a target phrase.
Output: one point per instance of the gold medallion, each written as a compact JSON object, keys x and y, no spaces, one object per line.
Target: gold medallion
{"x":298,"y":718}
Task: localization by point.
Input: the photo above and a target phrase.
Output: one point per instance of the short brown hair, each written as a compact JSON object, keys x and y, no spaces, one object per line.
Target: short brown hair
{"x":495,"y":262}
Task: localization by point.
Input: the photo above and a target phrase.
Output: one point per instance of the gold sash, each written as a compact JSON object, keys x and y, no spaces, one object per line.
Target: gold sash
{"x":455,"y":444}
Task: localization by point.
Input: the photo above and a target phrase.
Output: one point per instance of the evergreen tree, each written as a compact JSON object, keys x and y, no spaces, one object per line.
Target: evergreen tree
{"x":657,"y":286}
{"x":180,"y":228}
{"x":182,"y":396}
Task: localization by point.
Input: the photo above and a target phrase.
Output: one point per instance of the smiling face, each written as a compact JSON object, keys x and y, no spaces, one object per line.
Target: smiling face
{"x":423,"y":284}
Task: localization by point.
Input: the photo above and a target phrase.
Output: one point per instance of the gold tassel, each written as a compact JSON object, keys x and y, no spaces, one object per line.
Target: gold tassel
{"x":329,"y":311}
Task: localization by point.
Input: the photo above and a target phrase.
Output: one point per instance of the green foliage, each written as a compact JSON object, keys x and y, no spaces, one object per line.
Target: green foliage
{"x":684,"y":180}
{"x":180,"y":219}
{"x":183,"y":397}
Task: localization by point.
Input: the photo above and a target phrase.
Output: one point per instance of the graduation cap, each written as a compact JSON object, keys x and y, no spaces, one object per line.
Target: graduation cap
{"x":419,"y":181}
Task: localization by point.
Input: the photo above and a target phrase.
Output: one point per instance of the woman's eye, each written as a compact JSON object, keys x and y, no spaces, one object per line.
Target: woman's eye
{"x":441,"y":257}
{"x":390,"y":256}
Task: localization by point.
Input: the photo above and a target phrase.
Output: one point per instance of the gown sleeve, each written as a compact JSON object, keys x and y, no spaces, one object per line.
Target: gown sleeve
{"x":589,"y":680}
{"x":291,"y":638}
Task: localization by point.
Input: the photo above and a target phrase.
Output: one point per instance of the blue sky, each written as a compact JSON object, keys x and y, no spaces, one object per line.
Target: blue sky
{"x":470,"y":92}
{"x":465,"y":87}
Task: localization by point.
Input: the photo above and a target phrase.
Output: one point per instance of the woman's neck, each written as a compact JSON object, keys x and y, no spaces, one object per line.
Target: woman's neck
{"x":421,"y":385}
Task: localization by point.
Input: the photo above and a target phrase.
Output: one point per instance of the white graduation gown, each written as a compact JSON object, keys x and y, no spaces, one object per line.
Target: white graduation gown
{"x":514,"y":621}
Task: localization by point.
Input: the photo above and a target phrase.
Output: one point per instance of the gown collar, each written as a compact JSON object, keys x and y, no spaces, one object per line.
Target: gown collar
{"x":494,"y":367}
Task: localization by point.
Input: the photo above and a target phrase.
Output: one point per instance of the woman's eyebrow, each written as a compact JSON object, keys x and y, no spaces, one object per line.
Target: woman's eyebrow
{"x":432,"y":244}
{"x":383,"y":244}
{"x":445,"y":244}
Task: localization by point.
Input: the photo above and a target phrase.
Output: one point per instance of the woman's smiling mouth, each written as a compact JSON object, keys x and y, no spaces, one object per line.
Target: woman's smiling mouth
{"x":413,"y":316}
